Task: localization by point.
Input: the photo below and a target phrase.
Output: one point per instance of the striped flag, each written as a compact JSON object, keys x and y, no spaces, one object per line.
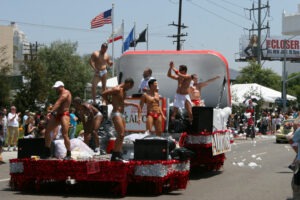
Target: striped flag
{"x":117,"y":35}
{"x":101,"y":19}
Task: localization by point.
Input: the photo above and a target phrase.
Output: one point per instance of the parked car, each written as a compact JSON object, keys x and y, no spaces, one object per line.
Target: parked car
{"x":285,"y":128}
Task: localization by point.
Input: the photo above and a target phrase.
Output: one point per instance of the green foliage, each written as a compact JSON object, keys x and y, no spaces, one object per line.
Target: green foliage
{"x":254,"y":73}
{"x":59,"y":61}
{"x":293,"y":85}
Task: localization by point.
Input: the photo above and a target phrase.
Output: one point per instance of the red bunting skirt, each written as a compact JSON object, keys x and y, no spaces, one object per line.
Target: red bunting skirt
{"x":161,"y":176}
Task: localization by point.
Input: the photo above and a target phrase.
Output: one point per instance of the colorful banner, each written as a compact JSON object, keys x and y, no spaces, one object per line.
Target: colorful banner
{"x":273,"y":48}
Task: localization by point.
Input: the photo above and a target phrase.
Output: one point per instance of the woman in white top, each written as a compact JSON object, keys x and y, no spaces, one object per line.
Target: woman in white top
{"x":13,"y":128}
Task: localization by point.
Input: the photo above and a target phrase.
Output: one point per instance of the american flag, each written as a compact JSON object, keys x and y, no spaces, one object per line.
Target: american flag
{"x":101,"y":19}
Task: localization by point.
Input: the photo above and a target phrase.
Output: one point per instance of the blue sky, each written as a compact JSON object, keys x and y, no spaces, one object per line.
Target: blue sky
{"x":212,"y":24}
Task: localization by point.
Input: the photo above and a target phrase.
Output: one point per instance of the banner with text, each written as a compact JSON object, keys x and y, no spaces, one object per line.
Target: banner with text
{"x":273,"y":48}
{"x":221,"y":142}
{"x":131,"y":115}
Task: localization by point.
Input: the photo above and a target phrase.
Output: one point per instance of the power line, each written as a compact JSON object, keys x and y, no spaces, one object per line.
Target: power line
{"x":231,"y":11}
{"x":52,"y":26}
{"x":157,"y":34}
{"x":219,"y":16}
{"x":233,"y":4}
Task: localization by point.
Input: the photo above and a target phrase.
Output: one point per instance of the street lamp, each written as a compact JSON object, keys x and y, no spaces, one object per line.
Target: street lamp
{"x":284,"y":78}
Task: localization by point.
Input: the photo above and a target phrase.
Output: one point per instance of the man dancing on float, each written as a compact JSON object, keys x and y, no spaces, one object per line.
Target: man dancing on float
{"x":195,"y":89}
{"x":91,"y":119}
{"x":182,"y":98}
{"x":154,"y":112}
{"x":99,"y":61}
{"x":118,"y":95}
{"x":59,"y":114}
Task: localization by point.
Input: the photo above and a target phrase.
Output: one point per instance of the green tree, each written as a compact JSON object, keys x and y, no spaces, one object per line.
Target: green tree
{"x":59,"y":61}
{"x":293,"y":85}
{"x":33,"y":91}
{"x":254,"y":73}
{"x":4,"y":70}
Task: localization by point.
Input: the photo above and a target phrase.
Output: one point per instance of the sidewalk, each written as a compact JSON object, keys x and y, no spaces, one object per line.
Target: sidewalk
{"x":7,"y":155}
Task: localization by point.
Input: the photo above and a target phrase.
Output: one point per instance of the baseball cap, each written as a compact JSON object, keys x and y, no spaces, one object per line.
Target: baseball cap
{"x":58,"y":84}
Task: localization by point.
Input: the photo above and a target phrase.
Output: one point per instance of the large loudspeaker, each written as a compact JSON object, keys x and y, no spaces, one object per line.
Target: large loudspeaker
{"x":151,"y":149}
{"x":31,"y":146}
{"x":202,"y":119}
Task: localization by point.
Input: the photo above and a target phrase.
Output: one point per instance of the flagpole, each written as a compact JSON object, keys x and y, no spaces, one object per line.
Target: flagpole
{"x":122,"y":49}
{"x":147,"y":36}
{"x":134,"y":36}
{"x":113,"y":36}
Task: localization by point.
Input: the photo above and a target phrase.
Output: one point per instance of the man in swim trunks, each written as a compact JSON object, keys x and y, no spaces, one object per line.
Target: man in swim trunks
{"x":59,"y":114}
{"x":91,"y":119}
{"x":195,"y":89}
{"x":154,"y":112}
{"x":182,"y":98}
{"x":99,"y":61}
{"x":118,"y":95}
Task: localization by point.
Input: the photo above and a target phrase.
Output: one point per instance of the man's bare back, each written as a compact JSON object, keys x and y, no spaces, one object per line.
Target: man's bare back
{"x":118,"y":97}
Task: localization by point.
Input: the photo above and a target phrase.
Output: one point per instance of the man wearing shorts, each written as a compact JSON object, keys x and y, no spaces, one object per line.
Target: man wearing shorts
{"x":99,"y":61}
{"x":118,"y":95}
{"x":182,"y":98}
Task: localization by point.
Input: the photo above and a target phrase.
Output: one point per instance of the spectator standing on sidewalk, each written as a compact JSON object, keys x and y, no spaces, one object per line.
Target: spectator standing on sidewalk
{"x":1,"y":138}
{"x":24,"y":119}
{"x":13,"y":128}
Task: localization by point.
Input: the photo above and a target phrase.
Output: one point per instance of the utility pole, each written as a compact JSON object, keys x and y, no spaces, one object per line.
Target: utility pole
{"x":179,"y":26}
{"x":260,"y":26}
{"x":31,"y":51}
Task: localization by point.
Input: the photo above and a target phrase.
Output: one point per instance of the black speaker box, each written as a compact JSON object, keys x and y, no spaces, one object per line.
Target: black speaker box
{"x":202,"y":119}
{"x":151,"y":149}
{"x":30,"y":146}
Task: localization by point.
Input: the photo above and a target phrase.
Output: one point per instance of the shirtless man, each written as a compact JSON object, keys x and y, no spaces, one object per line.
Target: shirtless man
{"x":182,"y":98}
{"x":118,"y":95}
{"x":195,"y":89}
{"x":154,"y":112}
{"x":59,"y":114}
{"x":91,"y":119}
{"x":99,"y":61}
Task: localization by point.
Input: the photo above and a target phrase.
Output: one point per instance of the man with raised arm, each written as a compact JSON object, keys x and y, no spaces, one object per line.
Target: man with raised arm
{"x":182,"y":98}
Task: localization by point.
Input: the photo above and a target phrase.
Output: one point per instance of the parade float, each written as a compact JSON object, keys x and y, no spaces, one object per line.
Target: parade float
{"x":208,"y":136}
{"x":154,"y":168}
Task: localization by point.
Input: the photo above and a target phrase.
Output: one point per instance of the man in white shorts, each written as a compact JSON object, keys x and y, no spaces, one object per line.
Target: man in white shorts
{"x":182,"y":98}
